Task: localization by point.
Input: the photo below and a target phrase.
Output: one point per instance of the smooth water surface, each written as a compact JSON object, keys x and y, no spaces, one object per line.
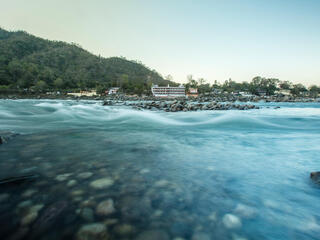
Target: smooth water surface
{"x":186,"y":175}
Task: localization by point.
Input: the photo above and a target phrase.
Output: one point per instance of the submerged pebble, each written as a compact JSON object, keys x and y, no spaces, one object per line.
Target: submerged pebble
{"x":85,"y":175}
{"x":102,"y":183}
{"x":24,"y":204}
{"x":4,"y":197}
{"x":124,"y":229}
{"x":231,"y":221}
{"x":71,"y":183}
{"x":245,"y":211}
{"x":32,"y":215}
{"x":93,"y":231}
{"x":162,"y":183}
{"x":29,"y":218}
{"x":87,"y":214}
{"x":63,"y":177}
{"x":105,"y":208}
{"x":200,"y":236}
{"x":29,"y":193}
{"x":153,"y":235}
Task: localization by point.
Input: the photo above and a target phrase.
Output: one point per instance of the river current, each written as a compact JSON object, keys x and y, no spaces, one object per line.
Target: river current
{"x":112,"y":172}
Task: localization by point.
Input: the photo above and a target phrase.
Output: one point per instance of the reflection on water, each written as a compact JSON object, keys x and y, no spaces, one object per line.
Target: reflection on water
{"x":116,"y":173}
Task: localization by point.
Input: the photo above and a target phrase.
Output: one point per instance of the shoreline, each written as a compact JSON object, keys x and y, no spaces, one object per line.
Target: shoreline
{"x":201,"y":103}
{"x":203,"y":98}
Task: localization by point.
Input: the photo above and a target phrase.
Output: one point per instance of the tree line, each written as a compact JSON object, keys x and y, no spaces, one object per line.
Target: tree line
{"x":258,"y":84}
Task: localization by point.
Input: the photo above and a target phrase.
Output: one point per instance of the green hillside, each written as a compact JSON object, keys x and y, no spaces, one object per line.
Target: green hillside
{"x":27,"y":61}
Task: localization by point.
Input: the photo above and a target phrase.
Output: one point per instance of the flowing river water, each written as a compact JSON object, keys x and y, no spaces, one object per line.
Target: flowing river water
{"x":106,"y":172}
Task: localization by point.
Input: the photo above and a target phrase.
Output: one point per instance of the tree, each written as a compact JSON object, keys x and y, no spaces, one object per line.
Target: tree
{"x":191,"y":82}
{"x":314,"y":89}
{"x":58,"y":83}
{"x":41,"y":85}
{"x":285,"y":85}
{"x":266,"y":84}
{"x":297,"y":89}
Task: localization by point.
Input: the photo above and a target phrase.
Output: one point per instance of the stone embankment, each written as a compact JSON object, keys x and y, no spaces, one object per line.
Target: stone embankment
{"x":177,"y":106}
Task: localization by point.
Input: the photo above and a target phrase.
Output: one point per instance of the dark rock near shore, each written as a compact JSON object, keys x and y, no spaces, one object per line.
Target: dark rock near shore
{"x":185,"y":106}
{"x":315,"y":176}
{"x":6,"y":136}
{"x":48,"y":218}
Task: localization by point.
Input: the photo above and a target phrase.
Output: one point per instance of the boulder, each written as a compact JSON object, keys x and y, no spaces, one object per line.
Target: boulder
{"x":6,"y":136}
{"x":315,"y":176}
{"x":93,"y":231}
{"x":153,"y":234}
{"x":105,"y":208}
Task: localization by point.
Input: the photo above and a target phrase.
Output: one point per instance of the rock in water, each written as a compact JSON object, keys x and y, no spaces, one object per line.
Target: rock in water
{"x":6,"y":136}
{"x":105,"y":208}
{"x":201,"y":236}
{"x":153,"y":235}
{"x":85,"y":175}
{"x":48,"y":218}
{"x":102,"y":183}
{"x":93,"y":231}
{"x":315,"y":176}
{"x":231,"y":221}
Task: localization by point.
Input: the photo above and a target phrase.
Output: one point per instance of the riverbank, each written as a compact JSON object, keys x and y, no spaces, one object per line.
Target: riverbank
{"x":201,"y":98}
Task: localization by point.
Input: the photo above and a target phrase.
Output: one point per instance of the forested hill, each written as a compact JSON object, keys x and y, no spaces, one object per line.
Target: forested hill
{"x":27,"y":61}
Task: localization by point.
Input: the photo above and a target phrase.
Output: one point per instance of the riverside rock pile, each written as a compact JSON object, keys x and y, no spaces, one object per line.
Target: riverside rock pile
{"x":6,"y":136}
{"x":185,"y":106}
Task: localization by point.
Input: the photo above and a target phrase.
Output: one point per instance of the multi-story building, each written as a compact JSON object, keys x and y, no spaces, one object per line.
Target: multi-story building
{"x":168,"y":91}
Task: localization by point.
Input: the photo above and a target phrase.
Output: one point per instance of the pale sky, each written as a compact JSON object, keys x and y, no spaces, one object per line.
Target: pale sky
{"x":216,"y":40}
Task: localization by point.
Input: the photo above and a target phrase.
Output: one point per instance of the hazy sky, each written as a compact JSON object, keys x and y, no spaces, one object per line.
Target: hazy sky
{"x":216,"y":40}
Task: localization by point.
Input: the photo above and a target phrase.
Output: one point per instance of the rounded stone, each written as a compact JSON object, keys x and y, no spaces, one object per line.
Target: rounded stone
{"x":63,"y":177}
{"x":105,"y":208}
{"x":231,"y":221}
{"x":87,"y":214}
{"x":245,"y":211}
{"x":200,"y":236}
{"x":124,"y":229}
{"x":93,"y":231}
{"x":4,"y":197}
{"x":85,"y":175}
{"x":162,"y":183}
{"x":29,"y":193}
{"x":29,"y":218}
{"x":71,"y":183}
{"x":102,"y":183}
{"x":154,"y":235}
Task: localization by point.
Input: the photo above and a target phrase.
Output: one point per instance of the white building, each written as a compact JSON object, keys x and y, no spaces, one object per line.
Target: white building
{"x":113,"y":90}
{"x":84,"y":93}
{"x":168,"y":91}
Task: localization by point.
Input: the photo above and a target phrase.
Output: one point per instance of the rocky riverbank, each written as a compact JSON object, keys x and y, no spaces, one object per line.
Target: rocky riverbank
{"x":201,"y":98}
{"x":185,"y":106}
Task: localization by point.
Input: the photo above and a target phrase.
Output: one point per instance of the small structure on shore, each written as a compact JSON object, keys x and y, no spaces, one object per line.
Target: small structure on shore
{"x":261,"y":92}
{"x":84,"y":93}
{"x":113,"y":90}
{"x":168,"y":91}
{"x":193,"y":92}
{"x":283,"y":92}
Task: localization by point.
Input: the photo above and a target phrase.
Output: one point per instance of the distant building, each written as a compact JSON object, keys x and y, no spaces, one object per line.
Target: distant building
{"x":193,"y":92}
{"x":168,"y":91}
{"x":261,"y":92}
{"x":245,"y":94}
{"x":84,"y":93}
{"x":113,"y":90}
{"x":284,"y":92}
